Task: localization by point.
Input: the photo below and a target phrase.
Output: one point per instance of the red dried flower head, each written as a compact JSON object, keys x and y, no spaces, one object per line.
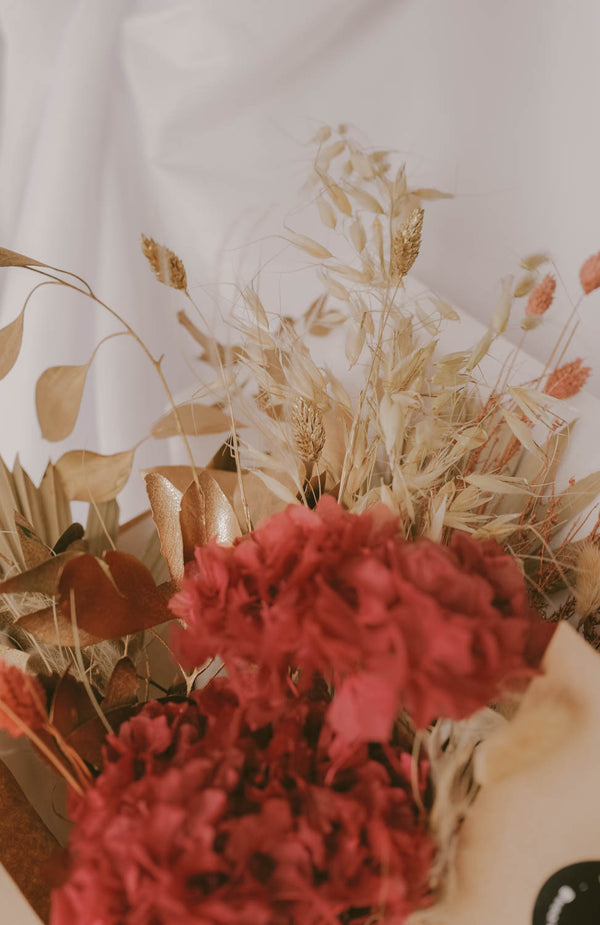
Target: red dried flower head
{"x":540,"y":299}
{"x":567,"y":380}
{"x":198,"y":819}
{"x":389,"y":623}
{"x":21,"y":698}
{"x":590,"y":273}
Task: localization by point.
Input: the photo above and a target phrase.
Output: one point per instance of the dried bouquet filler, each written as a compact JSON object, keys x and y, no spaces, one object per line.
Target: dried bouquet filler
{"x":266,"y":711}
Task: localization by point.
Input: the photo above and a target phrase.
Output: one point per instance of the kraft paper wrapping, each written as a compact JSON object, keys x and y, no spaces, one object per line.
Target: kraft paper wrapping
{"x":26,"y":847}
{"x":538,"y":809}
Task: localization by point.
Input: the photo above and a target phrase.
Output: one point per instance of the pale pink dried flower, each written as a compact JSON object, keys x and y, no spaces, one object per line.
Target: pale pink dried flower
{"x":567,"y":380}
{"x":590,"y":273}
{"x":540,"y":299}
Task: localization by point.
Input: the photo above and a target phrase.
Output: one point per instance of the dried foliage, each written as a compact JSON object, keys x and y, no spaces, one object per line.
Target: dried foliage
{"x":428,"y":431}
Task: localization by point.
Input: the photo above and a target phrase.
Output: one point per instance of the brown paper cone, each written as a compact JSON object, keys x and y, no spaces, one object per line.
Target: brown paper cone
{"x":26,"y":845}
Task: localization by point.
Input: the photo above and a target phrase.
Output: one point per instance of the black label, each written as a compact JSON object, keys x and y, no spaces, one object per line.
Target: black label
{"x":570,"y":897}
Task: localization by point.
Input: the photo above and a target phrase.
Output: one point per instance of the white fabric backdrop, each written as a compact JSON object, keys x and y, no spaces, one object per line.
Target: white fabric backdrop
{"x":188,"y":118}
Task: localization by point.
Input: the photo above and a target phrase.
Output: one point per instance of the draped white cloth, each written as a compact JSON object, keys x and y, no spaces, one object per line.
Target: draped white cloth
{"x":188,"y":118}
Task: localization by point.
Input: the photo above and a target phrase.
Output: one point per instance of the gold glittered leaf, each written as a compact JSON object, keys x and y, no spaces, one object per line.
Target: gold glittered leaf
{"x":58,"y":398}
{"x":11,"y":338}
{"x":43,"y":579}
{"x":195,"y":419}
{"x":13,"y":259}
{"x":86,"y":475}
{"x":206,"y":514}
{"x":165,"y":501}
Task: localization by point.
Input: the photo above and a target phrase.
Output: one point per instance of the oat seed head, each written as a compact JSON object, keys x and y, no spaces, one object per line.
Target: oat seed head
{"x":406,"y":245}
{"x":309,"y":431}
{"x":166,"y":266}
{"x":587,"y":584}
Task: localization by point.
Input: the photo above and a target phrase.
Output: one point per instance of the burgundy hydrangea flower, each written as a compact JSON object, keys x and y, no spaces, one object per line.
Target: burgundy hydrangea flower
{"x":198,"y":820}
{"x":390,"y":624}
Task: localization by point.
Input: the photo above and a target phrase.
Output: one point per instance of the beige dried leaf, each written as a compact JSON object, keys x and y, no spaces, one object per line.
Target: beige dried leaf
{"x":480,"y":350}
{"x":276,"y":487}
{"x":429,"y":194}
{"x":10,"y":258}
{"x":254,"y":303}
{"x":362,"y":165}
{"x":498,"y":484}
{"x":166,"y":265}
{"x":195,"y":419}
{"x":502,"y":310}
{"x":444,"y":309}
{"x":326,"y":213}
{"x":534,"y":261}
{"x":328,"y":153}
{"x":322,"y":135}
{"x":355,"y":341}
{"x":86,"y":475}
{"x":339,"y":198}
{"x":11,"y":338}
{"x":358,"y":235}
{"x":334,"y":287}
{"x":525,"y":285}
{"x":378,"y":242}
{"x":523,"y":434}
{"x":58,"y":396}
{"x":365,"y":200}
{"x":309,"y":245}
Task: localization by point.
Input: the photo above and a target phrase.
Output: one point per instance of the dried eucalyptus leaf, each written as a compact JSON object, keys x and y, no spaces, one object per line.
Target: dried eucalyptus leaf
{"x":11,"y":338}
{"x":86,"y":475}
{"x":58,"y":396}
{"x":195,"y":419}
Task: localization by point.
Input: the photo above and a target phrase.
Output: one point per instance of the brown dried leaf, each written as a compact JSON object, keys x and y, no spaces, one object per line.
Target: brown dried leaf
{"x":89,"y":738}
{"x":43,"y":579}
{"x":34,"y":550}
{"x":58,"y":397}
{"x":11,"y":337}
{"x":12,"y":259}
{"x":122,"y":687}
{"x":339,"y":198}
{"x":196,"y":419}
{"x":114,"y":597}
{"x":86,"y":475}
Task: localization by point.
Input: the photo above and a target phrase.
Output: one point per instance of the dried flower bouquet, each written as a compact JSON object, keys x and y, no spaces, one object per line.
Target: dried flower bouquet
{"x":267,"y":711}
